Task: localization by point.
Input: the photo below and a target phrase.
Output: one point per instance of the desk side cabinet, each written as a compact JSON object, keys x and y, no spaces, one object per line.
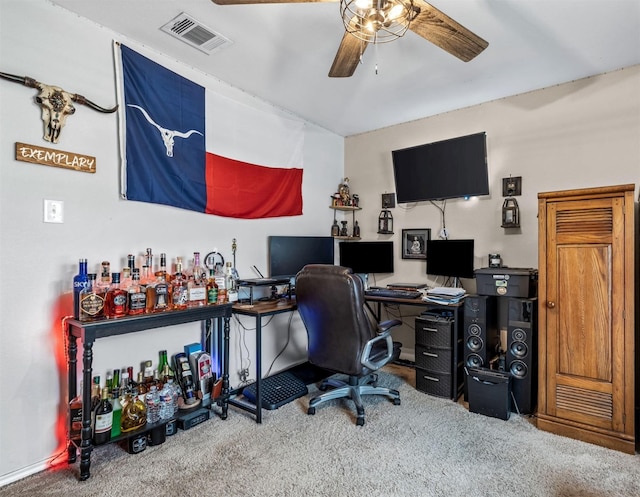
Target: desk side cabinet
{"x":439,"y":355}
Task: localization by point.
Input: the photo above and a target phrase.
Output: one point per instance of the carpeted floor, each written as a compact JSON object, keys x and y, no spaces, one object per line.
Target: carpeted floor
{"x":425,"y":447}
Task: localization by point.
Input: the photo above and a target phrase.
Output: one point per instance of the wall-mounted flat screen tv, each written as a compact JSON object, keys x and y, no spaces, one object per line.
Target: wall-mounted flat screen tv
{"x":446,"y":169}
{"x":452,"y":258}
{"x":289,"y":254}
{"x":367,"y":257}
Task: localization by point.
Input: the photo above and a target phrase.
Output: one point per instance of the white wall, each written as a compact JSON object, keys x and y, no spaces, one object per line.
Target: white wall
{"x":38,"y":261}
{"x":581,"y":134}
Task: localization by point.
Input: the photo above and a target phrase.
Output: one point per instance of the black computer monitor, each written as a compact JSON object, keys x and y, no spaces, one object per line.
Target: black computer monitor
{"x":289,"y":254}
{"x":453,"y":258}
{"x":367,"y":257}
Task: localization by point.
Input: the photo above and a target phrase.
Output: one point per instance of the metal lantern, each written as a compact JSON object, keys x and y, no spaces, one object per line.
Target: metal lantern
{"x":510,"y":213}
{"x":385,"y":222}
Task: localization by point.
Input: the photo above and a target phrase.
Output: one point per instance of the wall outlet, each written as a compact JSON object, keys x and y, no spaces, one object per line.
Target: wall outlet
{"x":53,"y":211}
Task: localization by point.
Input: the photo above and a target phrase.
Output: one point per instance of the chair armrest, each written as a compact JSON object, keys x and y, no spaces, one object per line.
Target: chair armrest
{"x":384,"y":333}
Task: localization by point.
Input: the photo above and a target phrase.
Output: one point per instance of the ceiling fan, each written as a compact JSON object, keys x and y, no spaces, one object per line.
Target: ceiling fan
{"x":376,"y":21}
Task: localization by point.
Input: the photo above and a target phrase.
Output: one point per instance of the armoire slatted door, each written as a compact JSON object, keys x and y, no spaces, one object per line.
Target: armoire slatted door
{"x":586,"y":315}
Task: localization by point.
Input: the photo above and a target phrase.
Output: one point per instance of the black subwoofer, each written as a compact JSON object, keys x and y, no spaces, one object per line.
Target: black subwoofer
{"x":481,"y":334}
{"x":522,"y":353}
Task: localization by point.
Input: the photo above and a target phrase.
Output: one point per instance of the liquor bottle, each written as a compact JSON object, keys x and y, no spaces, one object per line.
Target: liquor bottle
{"x":197,"y":284}
{"x":116,"y":301}
{"x":185,"y":378}
{"x":212,"y":288}
{"x":80,"y":282}
{"x":104,"y":282}
{"x":230,"y":284}
{"x":136,"y":295}
{"x":103,"y":420}
{"x":134,"y":413}
{"x":164,"y":368}
{"x":75,"y":416}
{"x":158,"y":294}
{"x":92,"y":301}
{"x":179,"y":290}
{"x":197,"y":271}
{"x":221,"y":282}
{"x":117,"y":412}
{"x":95,"y":393}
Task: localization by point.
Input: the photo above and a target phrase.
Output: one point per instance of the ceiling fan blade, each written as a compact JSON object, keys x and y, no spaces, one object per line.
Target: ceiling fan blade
{"x":348,"y":56}
{"x":444,"y":32}
{"x":249,"y":2}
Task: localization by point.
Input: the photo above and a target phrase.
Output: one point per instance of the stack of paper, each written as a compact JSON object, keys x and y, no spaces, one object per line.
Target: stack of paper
{"x":444,"y":295}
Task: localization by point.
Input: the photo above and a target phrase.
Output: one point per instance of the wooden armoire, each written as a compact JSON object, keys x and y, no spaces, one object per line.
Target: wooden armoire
{"x":586,"y":315}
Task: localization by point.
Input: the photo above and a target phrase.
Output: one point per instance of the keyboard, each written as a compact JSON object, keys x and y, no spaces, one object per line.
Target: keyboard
{"x":393,"y":293}
{"x":277,"y":390}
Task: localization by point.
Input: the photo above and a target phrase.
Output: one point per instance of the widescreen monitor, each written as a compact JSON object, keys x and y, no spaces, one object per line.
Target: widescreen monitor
{"x":452,"y":258}
{"x":289,"y":254}
{"x":367,"y":257}
{"x":451,"y":168}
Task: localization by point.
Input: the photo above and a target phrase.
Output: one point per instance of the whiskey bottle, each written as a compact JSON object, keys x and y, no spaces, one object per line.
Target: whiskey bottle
{"x":179,"y":291}
{"x":212,"y":288}
{"x":158,"y":294}
{"x":91,"y":301}
{"x":104,"y":282}
{"x":80,"y":282}
{"x":116,"y":300}
{"x":75,"y":416}
{"x":136,"y":295}
{"x":103,"y":420}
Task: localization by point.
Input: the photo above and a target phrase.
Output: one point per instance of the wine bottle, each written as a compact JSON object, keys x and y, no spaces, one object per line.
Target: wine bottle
{"x":103,"y":420}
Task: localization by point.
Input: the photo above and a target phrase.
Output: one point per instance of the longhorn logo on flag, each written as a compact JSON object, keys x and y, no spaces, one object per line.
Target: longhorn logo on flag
{"x":166,"y":159}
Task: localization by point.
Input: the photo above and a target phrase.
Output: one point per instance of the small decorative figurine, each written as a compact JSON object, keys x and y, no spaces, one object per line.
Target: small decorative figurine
{"x":344,"y":231}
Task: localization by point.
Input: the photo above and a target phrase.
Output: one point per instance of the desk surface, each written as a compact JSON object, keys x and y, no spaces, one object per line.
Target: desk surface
{"x":266,"y":307}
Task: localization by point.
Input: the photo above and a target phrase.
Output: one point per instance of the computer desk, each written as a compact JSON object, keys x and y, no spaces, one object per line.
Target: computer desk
{"x":257,"y":310}
{"x":390,"y":300}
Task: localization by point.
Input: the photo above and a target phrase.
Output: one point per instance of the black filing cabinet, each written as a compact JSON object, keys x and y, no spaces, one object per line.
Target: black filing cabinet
{"x":439,"y":354}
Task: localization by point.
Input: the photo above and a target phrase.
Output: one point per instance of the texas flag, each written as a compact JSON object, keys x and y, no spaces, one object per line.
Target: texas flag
{"x":168,"y":152}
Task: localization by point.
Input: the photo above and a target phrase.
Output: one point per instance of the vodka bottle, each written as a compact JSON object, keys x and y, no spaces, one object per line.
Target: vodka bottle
{"x":80,"y":282}
{"x":103,"y":420}
{"x":230,"y":284}
{"x":116,"y":300}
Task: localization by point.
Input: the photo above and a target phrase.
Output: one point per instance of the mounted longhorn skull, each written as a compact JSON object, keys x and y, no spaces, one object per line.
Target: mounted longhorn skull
{"x":56,"y":104}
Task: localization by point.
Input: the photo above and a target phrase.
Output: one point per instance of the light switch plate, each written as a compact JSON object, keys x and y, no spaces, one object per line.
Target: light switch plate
{"x":53,"y":211}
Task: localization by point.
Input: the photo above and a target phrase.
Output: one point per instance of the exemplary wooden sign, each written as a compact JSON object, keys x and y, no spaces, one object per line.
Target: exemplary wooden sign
{"x":56,"y":158}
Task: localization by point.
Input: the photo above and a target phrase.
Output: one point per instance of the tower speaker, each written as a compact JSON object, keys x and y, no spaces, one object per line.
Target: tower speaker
{"x":481,"y":334}
{"x":522,"y":353}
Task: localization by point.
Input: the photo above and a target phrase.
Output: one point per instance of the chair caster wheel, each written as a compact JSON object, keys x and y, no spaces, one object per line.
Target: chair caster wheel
{"x":360,"y":422}
{"x":311,"y":411}
{"x":396,"y":402}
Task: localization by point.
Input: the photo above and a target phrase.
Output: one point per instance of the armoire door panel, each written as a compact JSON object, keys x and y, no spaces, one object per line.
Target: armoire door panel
{"x":584,"y":312}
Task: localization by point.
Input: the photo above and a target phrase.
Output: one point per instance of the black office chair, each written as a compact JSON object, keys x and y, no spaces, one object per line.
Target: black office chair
{"x":344,"y":337}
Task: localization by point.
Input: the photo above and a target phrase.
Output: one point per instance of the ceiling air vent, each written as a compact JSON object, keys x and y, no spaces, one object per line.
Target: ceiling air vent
{"x":194,"y":33}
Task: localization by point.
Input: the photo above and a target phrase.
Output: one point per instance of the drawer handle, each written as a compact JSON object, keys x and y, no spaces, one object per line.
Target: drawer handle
{"x":430,"y":378}
{"x":430,"y":329}
{"x":429,"y":354}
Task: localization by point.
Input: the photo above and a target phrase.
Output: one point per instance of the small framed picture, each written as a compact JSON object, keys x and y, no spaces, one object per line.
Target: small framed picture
{"x":414,"y":243}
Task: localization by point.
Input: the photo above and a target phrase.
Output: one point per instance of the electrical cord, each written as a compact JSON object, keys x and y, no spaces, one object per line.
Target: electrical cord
{"x":285,"y":345}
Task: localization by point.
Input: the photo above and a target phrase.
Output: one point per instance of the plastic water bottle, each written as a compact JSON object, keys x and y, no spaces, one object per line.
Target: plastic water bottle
{"x":166,"y":401}
{"x":152,"y":400}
